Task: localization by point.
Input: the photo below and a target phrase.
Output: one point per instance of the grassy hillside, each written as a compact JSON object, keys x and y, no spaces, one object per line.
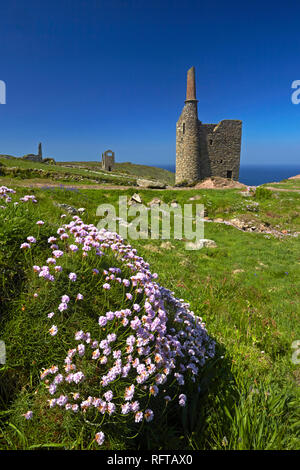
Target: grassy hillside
{"x":25,"y":170}
{"x":83,"y":172}
{"x":286,"y":184}
{"x":131,"y":169}
{"x":246,"y":290}
{"x":144,"y":171}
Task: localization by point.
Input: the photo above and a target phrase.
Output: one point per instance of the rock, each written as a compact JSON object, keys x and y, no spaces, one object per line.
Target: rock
{"x":237,"y":271}
{"x":216,"y":182}
{"x":155,"y":200}
{"x":238,"y":223}
{"x":49,"y":161}
{"x":135,"y":199}
{"x":202,"y":243}
{"x":167,"y":245}
{"x":294,"y":177}
{"x":150,"y":184}
{"x":208,"y":243}
{"x":152,"y":248}
{"x":71,"y":210}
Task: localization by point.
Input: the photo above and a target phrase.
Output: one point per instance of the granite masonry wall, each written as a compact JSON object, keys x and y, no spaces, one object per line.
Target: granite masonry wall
{"x":108,"y":160}
{"x":188,"y":144}
{"x":220,"y":149}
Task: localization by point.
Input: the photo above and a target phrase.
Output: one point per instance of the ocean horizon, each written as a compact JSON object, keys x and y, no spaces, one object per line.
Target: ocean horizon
{"x":253,"y":175}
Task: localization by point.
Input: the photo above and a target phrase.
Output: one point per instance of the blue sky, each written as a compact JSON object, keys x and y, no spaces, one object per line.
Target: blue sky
{"x":84,"y":76}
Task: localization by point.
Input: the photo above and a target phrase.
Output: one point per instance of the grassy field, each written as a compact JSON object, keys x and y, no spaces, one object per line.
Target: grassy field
{"x":246,"y":290}
{"x":131,"y":169}
{"x":286,"y":184}
{"x":23,"y":170}
{"x":125,"y":174}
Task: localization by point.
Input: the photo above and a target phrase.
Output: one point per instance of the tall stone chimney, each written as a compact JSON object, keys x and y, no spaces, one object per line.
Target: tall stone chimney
{"x":40,"y":151}
{"x":187,"y":136}
{"x":191,"y":85}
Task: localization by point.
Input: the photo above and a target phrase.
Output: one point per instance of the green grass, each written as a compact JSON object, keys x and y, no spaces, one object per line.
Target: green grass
{"x":286,"y":184}
{"x":24,"y":170}
{"x":83,"y":172}
{"x":246,"y":290}
{"x":130,"y":169}
{"x":148,"y":172}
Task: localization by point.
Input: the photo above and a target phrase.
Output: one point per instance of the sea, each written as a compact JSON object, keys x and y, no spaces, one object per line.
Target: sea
{"x":257,"y":175}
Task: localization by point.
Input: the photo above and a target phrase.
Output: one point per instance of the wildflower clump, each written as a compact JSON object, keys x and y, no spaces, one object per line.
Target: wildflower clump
{"x":131,"y":345}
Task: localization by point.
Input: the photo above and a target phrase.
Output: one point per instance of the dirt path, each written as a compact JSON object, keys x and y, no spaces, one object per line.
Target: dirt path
{"x":70,"y":187}
{"x":282,"y":189}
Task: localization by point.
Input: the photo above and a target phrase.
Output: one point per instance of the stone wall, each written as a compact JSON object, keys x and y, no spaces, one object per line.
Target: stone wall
{"x":33,"y":158}
{"x":188,"y":144}
{"x":220,"y":149}
{"x":108,"y":160}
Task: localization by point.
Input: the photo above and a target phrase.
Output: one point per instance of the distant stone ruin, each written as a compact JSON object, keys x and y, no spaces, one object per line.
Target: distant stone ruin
{"x":108,"y":160}
{"x":35,"y":158}
{"x":205,"y":150}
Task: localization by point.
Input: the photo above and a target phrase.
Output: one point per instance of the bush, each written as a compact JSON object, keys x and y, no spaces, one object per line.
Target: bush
{"x":262,"y":193}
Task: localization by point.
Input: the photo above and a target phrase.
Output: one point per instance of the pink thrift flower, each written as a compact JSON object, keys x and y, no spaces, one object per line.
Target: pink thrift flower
{"x":100,"y":438}
{"x":182,"y":399}
{"x":81,"y":349}
{"x":53,"y":330}
{"x":25,"y":246}
{"x":73,"y":248}
{"x":28,"y":415}
{"x":149,"y":415}
{"x":138,"y":417}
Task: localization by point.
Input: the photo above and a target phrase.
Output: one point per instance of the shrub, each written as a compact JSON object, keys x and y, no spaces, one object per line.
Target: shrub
{"x":262,"y":193}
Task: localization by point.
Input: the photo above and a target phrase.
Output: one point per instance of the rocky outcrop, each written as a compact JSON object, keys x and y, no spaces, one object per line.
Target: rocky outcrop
{"x":150,"y":184}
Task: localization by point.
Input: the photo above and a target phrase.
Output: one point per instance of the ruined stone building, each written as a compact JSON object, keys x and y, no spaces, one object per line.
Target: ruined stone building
{"x":35,"y":158}
{"x":204,"y":150}
{"x":108,"y":160}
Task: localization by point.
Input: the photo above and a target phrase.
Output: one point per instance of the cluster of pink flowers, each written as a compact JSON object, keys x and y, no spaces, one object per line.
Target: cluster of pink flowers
{"x":165,"y":340}
{"x":6,"y":193}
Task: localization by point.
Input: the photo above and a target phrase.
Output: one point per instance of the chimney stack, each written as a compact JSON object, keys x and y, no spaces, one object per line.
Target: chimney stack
{"x":191,"y":85}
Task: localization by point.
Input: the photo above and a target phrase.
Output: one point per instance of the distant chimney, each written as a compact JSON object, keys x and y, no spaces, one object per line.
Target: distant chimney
{"x":40,"y":150}
{"x":191,"y":85}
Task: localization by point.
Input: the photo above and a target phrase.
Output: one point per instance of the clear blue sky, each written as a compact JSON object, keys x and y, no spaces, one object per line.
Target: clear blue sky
{"x":84,"y":76}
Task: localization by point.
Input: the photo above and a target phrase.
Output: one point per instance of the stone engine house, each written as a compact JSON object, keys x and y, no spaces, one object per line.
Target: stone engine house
{"x":204,"y":150}
{"x":33,"y":157}
{"x":108,"y":160}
